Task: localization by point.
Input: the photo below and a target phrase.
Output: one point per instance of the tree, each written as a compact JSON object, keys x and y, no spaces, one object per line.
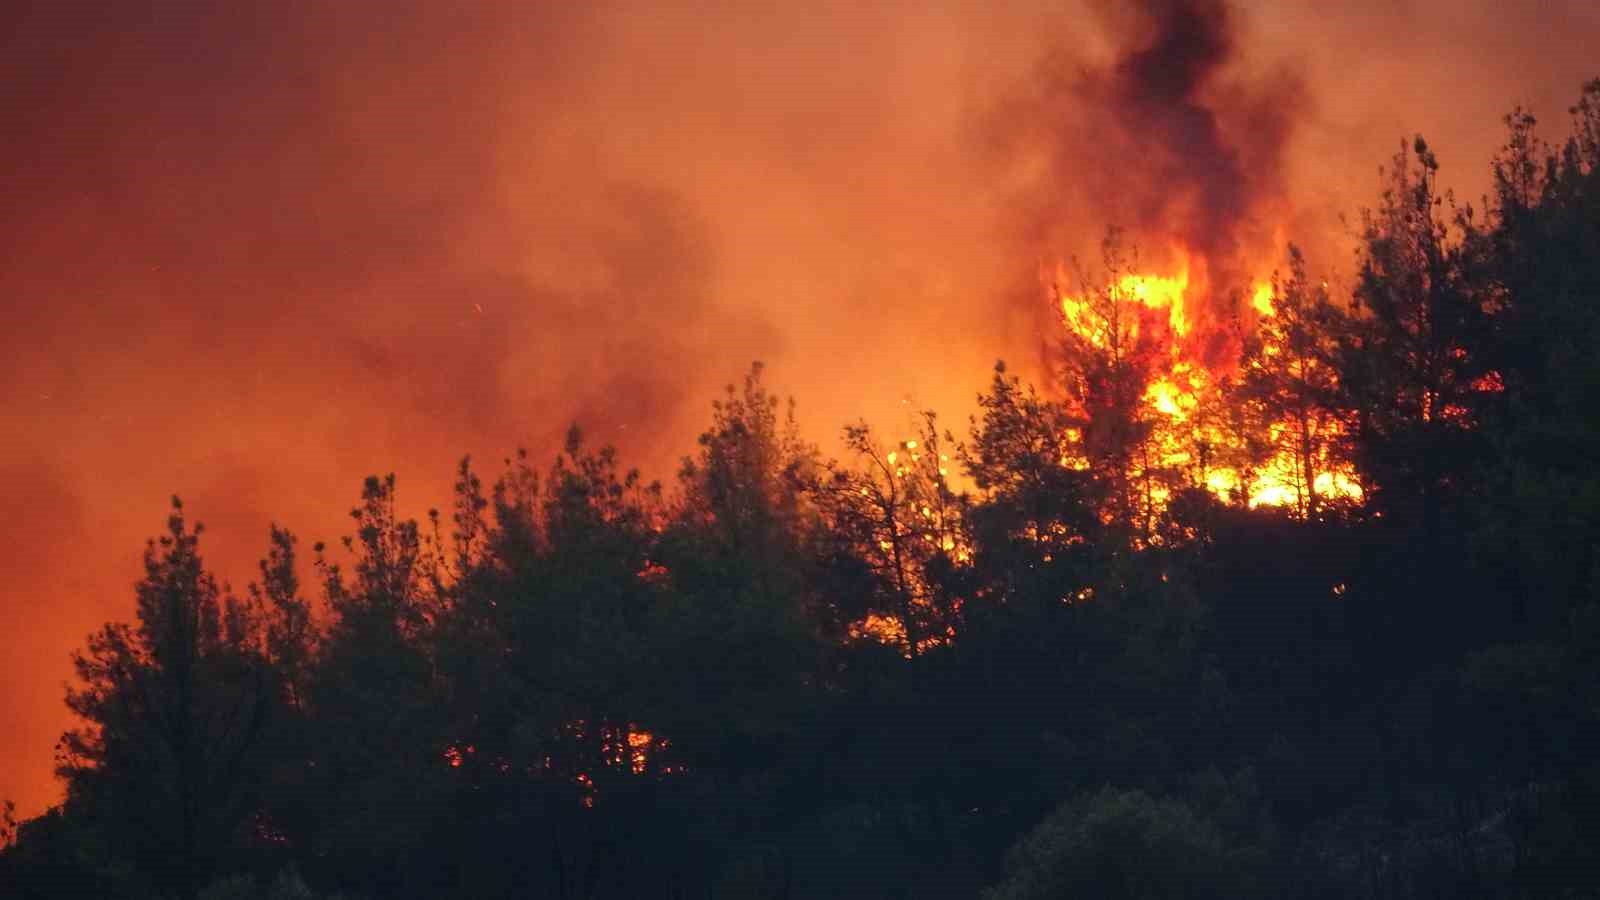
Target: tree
{"x":897,"y":513}
{"x":1037,"y":521}
{"x":544,"y":660}
{"x":1288,"y":385}
{"x":173,"y":711}
{"x":1126,"y":845}
{"x":737,"y":635}
{"x":376,"y":740}
{"x":1412,"y":368}
{"x":1108,"y":353}
{"x":745,"y":481}
{"x":288,"y":644}
{"x":1545,"y":427}
{"x":289,"y":633}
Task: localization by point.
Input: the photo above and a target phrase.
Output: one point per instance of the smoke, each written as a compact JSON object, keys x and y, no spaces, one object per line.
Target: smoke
{"x":1164,"y":137}
{"x":1197,"y":183}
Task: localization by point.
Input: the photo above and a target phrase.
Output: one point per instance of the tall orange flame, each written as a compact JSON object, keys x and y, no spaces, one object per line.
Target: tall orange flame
{"x":1183,"y":382}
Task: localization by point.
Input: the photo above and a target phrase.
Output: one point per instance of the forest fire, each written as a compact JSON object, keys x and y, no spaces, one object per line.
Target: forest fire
{"x":1180,"y":384}
{"x":1201,"y":567}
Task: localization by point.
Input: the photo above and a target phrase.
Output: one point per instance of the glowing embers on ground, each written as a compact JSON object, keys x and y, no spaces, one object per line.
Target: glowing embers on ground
{"x":1184,"y":369}
{"x":625,"y":750}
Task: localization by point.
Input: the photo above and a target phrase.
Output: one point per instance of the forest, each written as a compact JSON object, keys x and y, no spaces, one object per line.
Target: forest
{"x":1069,"y":649}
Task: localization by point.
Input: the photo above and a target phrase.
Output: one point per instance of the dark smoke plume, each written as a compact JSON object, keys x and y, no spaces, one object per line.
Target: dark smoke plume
{"x":1161,"y":139}
{"x":1156,"y":94}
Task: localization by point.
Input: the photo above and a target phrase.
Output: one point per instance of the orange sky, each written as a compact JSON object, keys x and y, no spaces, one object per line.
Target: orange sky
{"x":251,"y":252}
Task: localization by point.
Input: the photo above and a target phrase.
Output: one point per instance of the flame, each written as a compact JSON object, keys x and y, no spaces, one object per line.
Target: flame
{"x":1261,"y":299}
{"x":640,"y":743}
{"x":1185,"y":379}
{"x":1154,"y":292}
{"x":883,"y":629}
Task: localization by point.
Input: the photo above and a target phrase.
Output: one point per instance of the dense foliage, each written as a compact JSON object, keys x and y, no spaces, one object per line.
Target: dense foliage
{"x":798,"y":677}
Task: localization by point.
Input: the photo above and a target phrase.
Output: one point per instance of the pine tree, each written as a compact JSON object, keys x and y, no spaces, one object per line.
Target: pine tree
{"x":174,"y":709}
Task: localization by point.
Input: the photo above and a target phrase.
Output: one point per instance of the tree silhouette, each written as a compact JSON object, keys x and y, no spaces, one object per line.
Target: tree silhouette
{"x":173,"y":709}
{"x":1413,"y":366}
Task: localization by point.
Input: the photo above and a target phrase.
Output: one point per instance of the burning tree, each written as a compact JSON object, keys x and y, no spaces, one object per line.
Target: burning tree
{"x":1286,"y":388}
{"x":1120,"y":333}
{"x":898,"y":512}
{"x":1159,"y":404}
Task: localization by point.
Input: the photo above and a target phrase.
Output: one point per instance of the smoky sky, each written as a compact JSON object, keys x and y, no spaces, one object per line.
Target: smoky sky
{"x":1164,"y":137}
{"x":251,"y":252}
{"x":1157,"y":94}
